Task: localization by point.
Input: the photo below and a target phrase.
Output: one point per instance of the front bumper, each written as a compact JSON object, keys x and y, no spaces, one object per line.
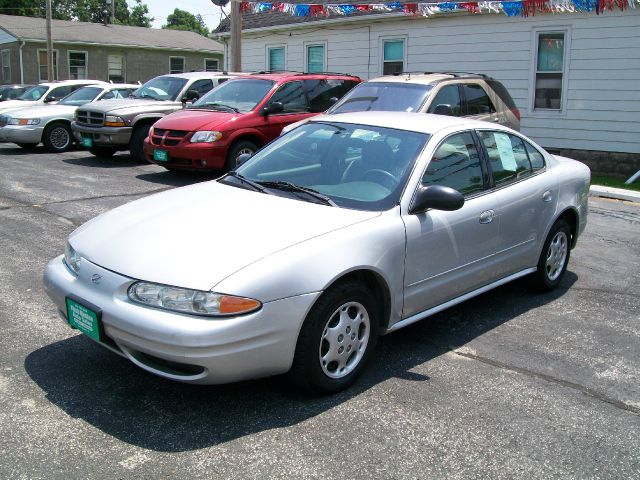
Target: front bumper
{"x":118,"y":137}
{"x":190,"y":156}
{"x":180,"y":347}
{"x":21,"y":134}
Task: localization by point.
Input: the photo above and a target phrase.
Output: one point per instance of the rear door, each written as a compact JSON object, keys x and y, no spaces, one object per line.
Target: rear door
{"x":478,"y":104}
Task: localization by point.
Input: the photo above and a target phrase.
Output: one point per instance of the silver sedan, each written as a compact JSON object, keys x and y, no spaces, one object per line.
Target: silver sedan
{"x":340,"y":231}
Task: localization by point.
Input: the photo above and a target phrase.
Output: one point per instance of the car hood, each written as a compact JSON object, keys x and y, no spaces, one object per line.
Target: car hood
{"x":196,"y":236}
{"x":115,"y":106}
{"x":15,"y":104}
{"x":44,"y":111}
{"x":193,"y":120}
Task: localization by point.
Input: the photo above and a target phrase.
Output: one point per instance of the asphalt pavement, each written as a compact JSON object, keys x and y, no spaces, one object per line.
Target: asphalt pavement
{"x":512,"y":384}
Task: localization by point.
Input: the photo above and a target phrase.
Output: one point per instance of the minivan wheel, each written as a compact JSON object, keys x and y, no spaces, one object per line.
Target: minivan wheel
{"x":237,"y":149}
{"x":336,"y":340}
{"x":57,"y":137}
{"x":554,"y":258}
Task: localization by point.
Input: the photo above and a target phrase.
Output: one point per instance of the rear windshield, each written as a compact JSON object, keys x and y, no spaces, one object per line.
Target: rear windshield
{"x":382,"y":96}
{"x":502,"y":93}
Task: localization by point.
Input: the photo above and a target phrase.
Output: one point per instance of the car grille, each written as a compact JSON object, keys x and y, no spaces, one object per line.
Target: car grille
{"x":85,"y":117}
{"x":167,"y":138}
{"x":4,"y":119}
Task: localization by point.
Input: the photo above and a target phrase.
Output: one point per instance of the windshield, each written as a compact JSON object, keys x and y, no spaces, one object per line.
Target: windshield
{"x":161,"y":88}
{"x":355,"y":166}
{"x":34,"y":93}
{"x":380,"y":96}
{"x":236,"y":95}
{"x":81,"y":96}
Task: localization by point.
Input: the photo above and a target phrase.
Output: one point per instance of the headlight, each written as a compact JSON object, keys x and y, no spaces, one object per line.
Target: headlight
{"x":205,"y":137}
{"x":71,"y":258}
{"x":195,"y":302}
{"x":113,"y":121}
{"x":24,"y":121}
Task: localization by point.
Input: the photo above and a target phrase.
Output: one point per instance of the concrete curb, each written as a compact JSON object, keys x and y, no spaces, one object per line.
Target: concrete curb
{"x":617,"y":193}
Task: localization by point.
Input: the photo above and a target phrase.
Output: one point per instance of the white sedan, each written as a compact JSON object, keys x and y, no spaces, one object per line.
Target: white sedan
{"x":342,"y":230}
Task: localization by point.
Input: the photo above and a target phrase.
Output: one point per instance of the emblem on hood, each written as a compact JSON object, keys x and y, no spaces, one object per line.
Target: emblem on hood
{"x":95,"y":278}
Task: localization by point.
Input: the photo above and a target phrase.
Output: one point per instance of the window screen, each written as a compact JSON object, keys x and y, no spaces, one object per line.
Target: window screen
{"x":315,"y":58}
{"x":393,"y":57}
{"x":276,"y":59}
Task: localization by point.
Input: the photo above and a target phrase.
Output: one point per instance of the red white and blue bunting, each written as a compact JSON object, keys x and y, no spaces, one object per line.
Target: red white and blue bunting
{"x":511,"y":9}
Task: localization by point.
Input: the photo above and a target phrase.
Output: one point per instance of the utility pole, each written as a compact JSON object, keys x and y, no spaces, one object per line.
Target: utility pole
{"x":236,"y":36}
{"x":113,"y":12}
{"x":49,"y":44}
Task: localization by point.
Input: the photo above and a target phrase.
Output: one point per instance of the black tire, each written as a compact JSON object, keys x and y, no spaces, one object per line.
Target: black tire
{"x":104,"y":152}
{"x":57,"y":137}
{"x":237,"y":149}
{"x":27,"y":146}
{"x":352,"y":341}
{"x":137,"y":141}
{"x":554,"y":258}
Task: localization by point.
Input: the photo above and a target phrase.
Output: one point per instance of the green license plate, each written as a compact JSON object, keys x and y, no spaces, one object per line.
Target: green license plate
{"x":84,"y":319}
{"x":160,"y":155}
{"x":87,"y":142}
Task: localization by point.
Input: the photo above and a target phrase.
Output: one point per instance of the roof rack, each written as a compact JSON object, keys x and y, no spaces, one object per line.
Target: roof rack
{"x":294,"y":72}
{"x":453,"y":74}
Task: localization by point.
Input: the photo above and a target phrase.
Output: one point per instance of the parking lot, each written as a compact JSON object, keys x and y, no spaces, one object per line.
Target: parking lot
{"x":511,"y":384}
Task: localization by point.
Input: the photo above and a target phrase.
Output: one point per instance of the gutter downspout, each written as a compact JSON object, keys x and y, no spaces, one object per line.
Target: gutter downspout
{"x":21,"y":63}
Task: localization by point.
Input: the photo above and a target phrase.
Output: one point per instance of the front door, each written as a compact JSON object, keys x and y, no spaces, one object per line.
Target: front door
{"x":296,"y":108}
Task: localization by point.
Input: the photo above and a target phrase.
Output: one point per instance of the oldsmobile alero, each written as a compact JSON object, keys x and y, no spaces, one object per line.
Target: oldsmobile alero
{"x":339,"y":231}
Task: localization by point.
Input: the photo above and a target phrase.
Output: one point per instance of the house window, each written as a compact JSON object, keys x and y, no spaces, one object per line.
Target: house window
{"x":5,"y":61}
{"x":392,"y":56}
{"x":275,"y":58}
{"x":43,"y":65}
{"x":116,"y":70}
{"x":315,"y":58}
{"x":549,"y":72}
{"x":176,"y":64}
{"x":77,"y":65}
{"x":211,"y":65}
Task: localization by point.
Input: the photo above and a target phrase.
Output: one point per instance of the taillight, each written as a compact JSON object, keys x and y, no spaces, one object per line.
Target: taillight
{"x":516,"y":112}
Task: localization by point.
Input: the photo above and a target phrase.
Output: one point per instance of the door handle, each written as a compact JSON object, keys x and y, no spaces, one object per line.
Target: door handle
{"x":547,"y":196}
{"x":487,"y":216}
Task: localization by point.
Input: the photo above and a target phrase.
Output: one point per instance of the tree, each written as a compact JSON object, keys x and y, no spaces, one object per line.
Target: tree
{"x":139,"y":16}
{"x":183,"y":20}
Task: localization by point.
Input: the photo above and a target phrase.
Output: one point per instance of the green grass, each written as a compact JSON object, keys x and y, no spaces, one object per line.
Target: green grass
{"x":616,"y":182}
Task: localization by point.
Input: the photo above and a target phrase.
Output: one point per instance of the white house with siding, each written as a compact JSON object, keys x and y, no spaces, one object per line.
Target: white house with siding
{"x":574,"y":76}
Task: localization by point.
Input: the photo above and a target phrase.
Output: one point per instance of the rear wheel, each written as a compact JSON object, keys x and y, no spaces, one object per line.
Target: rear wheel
{"x":137,"y":141}
{"x":104,"y":152}
{"x":237,"y":149}
{"x":554,"y":258}
{"x":57,"y":137}
{"x":336,"y":340}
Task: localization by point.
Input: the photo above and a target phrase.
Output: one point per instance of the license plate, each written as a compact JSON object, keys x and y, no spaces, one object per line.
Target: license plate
{"x":160,"y":155}
{"x":87,"y":142}
{"x":84,"y":319}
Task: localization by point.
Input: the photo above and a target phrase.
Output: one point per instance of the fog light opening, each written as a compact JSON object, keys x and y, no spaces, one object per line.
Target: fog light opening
{"x":202,"y":163}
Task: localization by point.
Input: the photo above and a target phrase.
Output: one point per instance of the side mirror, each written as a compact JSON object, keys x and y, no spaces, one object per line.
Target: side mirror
{"x":50,"y":100}
{"x":437,"y":197}
{"x":274,"y":107}
{"x":242,"y":159}
{"x":443,"y":109}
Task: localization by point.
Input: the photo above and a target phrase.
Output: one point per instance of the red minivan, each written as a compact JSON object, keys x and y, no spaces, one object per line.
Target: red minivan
{"x":240,"y":116}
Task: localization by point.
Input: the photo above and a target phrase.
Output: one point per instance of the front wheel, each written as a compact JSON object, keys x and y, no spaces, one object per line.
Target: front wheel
{"x":57,"y":137}
{"x":137,"y":142}
{"x":336,"y":340}
{"x":554,"y":258}
{"x":237,"y":149}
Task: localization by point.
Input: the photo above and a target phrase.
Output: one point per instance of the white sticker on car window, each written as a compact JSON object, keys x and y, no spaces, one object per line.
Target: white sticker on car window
{"x":507,"y":158}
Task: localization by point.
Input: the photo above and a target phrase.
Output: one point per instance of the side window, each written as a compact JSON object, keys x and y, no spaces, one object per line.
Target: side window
{"x":448,"y":95}
{"x":60,"y":92}
{"x":478,"y":102}
{"x":320,"y":92}
{"x":535,"y":157}
{"x":202,"y":86}
{"x":456,"y":164}
{"x":507,"y":156}
{"x":109,"y":95}
{"x":292,"y":97}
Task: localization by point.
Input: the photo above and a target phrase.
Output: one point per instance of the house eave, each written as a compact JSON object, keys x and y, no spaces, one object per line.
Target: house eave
{"x":123,"y":45}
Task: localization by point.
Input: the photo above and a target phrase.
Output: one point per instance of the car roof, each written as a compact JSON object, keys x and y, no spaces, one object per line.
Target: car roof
{"x":71,"y":82}
{"x":113,"y":86}
{"x":410,"y":121}
{"x":201,"y":74}
{"x":427,"y":78}
{"x":286,"y":75}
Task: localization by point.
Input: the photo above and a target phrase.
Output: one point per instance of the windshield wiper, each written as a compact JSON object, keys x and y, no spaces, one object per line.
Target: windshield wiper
{"x":218,"y":105}
{"x":292,"y":187}
{"x":256,"y":186}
